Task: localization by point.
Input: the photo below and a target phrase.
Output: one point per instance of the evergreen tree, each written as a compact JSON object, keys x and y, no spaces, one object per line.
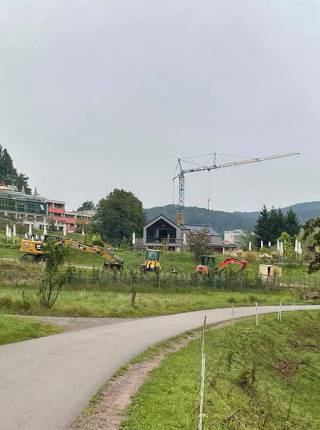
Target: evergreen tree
{"x":9,"y":174}
{"x":263,"y":228}
{"x":292,"y":225}
{"x":277,"y":224}
{"x":7,"y":171}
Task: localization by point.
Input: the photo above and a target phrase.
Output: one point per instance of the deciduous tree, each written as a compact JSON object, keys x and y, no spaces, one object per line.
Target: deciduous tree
{"x":199,"y":242}
{"x":119,"y":215}
{"x":88,"y":205}
{"x":312,"y":229}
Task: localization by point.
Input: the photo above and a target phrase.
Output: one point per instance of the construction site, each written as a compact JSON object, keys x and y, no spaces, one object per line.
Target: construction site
{"x":159,"y":215}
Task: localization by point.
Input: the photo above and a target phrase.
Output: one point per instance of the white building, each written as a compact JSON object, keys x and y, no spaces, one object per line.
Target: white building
{"x":234,"y":236}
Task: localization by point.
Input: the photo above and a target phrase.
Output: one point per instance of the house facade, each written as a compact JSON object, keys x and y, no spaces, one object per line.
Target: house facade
{"x":162,"y":233}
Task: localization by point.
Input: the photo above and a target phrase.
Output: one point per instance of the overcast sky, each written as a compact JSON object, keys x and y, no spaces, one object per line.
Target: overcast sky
{"x":99,"y":94}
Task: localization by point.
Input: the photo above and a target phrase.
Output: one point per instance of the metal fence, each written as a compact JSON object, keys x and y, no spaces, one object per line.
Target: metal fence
{"x":97,"y":278}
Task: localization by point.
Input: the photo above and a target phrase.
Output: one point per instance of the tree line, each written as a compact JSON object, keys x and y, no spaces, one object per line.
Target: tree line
{"x":9,"y":175}
{"x":272,"y":223}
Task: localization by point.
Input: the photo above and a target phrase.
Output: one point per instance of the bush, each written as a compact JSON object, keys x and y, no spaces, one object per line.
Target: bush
{"x":52,"y":280}
{"x":98,"y":242}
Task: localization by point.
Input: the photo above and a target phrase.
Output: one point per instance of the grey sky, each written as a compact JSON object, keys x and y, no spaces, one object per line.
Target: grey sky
{"x":102,"y":94}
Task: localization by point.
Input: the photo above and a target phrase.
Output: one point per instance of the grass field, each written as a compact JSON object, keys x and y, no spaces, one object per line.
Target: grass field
{"x":266,"y":376}
{"x":14,"y":329}
{"x":132,"y":260}
{"x":181,"y":262}
{"x":106,"y":296}
{"x":113,"y":303}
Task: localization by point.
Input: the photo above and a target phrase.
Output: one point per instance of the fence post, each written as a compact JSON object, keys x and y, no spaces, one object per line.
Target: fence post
{"x":133,"y":292}
{"x":280,"y":312}
{"x":232,"y":314}
{"x":257,"y":315}
{"x":203,"y":371}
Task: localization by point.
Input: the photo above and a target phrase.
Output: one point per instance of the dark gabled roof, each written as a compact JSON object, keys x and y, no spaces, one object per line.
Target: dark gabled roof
{"x":163,"y":217}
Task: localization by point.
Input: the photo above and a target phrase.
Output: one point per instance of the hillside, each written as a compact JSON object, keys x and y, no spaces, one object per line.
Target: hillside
{"x":222,"y":221}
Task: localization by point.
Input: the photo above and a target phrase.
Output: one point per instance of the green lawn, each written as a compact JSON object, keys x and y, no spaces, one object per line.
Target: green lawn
{"x":14,"y":329}
{"x":267,"y":376}
{"x":117,"y":303}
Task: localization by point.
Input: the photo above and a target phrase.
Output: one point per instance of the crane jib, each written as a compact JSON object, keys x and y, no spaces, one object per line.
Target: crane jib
{"x":182,"y":172}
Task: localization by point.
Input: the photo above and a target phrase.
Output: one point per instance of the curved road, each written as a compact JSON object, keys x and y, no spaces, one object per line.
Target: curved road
{"x":46,"y":382}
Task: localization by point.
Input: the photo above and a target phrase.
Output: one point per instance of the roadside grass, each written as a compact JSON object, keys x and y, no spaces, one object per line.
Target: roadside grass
{"x":267,"y":376}
{"x":14,"y":329}
{"x":117,"y":302}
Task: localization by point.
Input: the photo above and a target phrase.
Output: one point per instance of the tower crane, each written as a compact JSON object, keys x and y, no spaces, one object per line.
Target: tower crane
{"x":201,"y":168}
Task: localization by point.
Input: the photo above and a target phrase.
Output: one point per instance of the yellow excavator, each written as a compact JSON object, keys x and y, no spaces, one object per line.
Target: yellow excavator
{"x":35,"y":250}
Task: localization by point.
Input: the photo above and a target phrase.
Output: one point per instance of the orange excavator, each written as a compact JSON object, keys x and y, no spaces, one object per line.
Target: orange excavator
{"x":208,"y":264}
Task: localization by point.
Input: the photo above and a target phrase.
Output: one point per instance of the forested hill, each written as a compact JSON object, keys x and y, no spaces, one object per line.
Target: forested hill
{"x":222,"y":221}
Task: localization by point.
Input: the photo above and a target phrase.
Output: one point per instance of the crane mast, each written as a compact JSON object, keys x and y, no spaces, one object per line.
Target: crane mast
{"x":182,"y":172}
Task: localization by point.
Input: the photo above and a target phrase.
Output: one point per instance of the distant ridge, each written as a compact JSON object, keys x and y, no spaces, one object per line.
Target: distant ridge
{"x":222,"y":221}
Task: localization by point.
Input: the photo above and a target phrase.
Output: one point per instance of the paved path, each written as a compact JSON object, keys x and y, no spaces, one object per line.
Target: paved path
{"x":45,"y":383}
{"x":76,"y":323}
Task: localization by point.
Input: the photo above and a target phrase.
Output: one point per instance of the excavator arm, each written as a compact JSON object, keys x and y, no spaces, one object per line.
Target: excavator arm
{"x":242,"y":264}
{"x":111,"y":259}
{"x":35,"y":249}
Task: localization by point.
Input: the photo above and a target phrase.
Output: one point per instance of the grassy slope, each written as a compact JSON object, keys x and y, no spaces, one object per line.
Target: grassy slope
{"x":257,"y":371}
{"x":17,"y":329}
{"x":104,"y":303}
{"x":182,"y":262}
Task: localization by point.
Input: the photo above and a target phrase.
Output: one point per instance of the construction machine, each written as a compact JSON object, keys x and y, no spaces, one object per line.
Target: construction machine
{"x":208,"y":264}
{"x":35,"y":250}
{"x":152,"y":261}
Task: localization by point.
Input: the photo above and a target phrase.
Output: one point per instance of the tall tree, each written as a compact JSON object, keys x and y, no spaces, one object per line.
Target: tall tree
{"x":88,"y":205}
{"x":7,"y":170}
{"x":277,"y":224}
{"x":9,"y":174}
{"x":292,"y":225}
{"x":199,"y":242}
{"x":263,"y":227}
{"x":118,"y":216}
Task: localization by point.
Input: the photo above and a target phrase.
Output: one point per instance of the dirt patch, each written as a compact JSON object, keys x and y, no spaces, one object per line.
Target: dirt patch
{"x":286,"y":369}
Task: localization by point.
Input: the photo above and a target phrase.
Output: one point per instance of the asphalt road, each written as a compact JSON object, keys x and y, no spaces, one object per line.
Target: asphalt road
{"x":46,"y":382}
